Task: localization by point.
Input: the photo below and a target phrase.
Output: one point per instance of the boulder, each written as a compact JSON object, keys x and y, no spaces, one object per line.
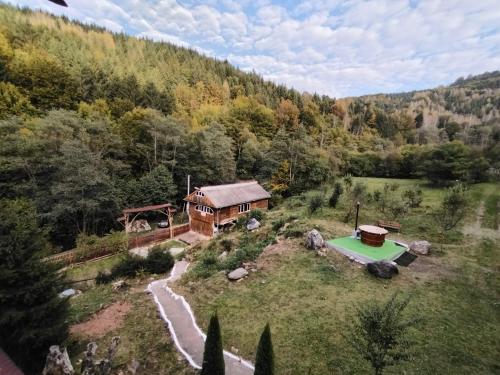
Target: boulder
{"x":382,"y":269}
{"x":237,"y":274}
{"x":314,"y":240}
{"x":252,"y":224}
{"x":420,"y":247}
{"x":67,"y":293}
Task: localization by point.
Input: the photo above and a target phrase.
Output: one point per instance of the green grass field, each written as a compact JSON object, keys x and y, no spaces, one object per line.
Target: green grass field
{"x":309,"y":303}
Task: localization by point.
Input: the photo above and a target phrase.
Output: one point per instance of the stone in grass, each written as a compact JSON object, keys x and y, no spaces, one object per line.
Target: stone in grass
{"x":314,"y":240}
{"x":237,"y":274}
{"x":382,"y":269}
{"x":119,"y":285}
{"x":252,"y":224}
{"x":223,"y":255}
{"x":68,"y":293}
{"x":420,"y":247}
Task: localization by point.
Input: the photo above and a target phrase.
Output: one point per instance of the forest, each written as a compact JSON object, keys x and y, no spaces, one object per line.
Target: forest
{"x":92,"y":122}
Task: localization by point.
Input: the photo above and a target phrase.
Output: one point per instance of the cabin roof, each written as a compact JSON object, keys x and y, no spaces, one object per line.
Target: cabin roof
{"x":231,"y":194}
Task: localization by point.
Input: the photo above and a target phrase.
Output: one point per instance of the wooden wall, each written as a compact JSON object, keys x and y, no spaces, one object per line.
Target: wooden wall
{"x":201,"y":222}
{"x":204,"y":222}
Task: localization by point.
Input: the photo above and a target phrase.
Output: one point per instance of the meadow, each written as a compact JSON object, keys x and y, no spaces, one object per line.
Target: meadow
{"x":308,"y":300}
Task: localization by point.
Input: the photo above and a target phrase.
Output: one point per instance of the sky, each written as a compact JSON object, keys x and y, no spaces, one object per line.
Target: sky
{"x":332,"y":47}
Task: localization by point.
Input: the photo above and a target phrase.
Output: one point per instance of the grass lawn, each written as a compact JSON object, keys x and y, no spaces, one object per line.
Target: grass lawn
{"x":91,"y":268}
{"x":308,"y":300}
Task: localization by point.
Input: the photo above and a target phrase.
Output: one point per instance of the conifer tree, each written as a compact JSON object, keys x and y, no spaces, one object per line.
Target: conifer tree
{"x":264,"y":360}
{"x":213,"y":356}
{"x":32,"y":316}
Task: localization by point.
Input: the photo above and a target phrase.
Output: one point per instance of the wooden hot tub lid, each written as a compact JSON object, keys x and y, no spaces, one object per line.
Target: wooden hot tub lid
{"x":372,"y":229}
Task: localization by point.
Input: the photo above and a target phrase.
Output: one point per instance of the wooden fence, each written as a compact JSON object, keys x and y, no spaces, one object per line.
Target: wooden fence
{"x":78,"y":256}
{"x":157,"y":235}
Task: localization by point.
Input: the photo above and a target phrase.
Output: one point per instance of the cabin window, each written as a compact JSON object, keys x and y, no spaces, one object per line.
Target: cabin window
{"x":199,"y":193}
{"x":204,"y":209}
{"x":243,"y":207}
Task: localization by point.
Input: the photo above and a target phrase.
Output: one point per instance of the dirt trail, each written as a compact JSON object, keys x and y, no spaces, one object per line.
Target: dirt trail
{"x":475,"y":229}
{"x":187,"y":335}
{"x":104,"y":321}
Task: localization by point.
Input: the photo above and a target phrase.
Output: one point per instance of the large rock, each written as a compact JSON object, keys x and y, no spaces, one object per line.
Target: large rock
{"x":384,"y":270}
{"x":58,"y":362}
{"x":252,"y":224}
{"x":420,"y":247}
{"x":67,"y":293}
{"x":314,"y":240}
{"x":237,"y":274}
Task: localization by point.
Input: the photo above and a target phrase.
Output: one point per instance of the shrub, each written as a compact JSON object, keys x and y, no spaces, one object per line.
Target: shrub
{"x":293,"y":233}
{"x":337,"y":192}
{"x":278,"y":224}
{"x":264,"y":360}
{"x":256,"y":214}
{"x":213,"y":354}
{"x":413,"y":197}
{"x":89,"y":247}
{"x":159,"y":261}
{"x":315,"y":203}
{"x":128,"y":267}
{"x":227,"y":244}
{"x":241,"y":222}
{"x":103,"y":278}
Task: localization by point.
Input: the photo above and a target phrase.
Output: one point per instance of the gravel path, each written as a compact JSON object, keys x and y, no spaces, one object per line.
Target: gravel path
{"x":188,"y":337}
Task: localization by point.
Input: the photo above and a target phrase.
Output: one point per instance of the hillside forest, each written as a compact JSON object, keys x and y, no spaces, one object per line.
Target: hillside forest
{"x":92,"y":122}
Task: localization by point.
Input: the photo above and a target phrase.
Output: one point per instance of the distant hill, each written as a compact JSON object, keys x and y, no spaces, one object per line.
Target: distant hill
{"x":472,"y":100}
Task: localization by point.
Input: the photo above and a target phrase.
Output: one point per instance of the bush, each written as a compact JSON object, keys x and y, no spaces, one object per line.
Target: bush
{"x":227,"y":244}
{"x":128,"y":267}
{"x":293,"y":233}
{"x":413,"y":197}
{"x":256,"y":214}
{"x":159,"y":261}
{"x":278,"y":224}
{"x":241,"y":222}
{"x":337,"y":192}
{"x":89,"y":247}
{"x":315,"y":203}
{"x":103,"y":278}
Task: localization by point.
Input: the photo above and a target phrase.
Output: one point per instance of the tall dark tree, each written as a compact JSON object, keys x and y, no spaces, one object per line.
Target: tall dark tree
{"x":213,"y":356}
{"x":264,"y":360}
{"x":32,"y":316}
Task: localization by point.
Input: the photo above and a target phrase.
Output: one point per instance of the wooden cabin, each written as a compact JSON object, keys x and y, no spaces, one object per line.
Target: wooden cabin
{"x":213,"y":208}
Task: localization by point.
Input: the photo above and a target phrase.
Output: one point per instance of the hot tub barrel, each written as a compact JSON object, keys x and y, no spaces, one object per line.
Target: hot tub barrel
{"x":372,"y":235}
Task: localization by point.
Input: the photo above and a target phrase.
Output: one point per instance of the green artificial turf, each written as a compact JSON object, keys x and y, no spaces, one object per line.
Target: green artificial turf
{"x":387,"y":251}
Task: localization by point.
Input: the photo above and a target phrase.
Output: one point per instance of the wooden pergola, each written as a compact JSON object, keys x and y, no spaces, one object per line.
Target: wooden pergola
{"x":130,"y":214}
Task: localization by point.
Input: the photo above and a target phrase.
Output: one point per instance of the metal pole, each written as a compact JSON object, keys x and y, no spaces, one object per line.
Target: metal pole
{"x":357,"y":214}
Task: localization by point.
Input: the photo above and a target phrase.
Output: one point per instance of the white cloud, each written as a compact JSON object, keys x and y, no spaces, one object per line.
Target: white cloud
{"x":335,"y":47}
